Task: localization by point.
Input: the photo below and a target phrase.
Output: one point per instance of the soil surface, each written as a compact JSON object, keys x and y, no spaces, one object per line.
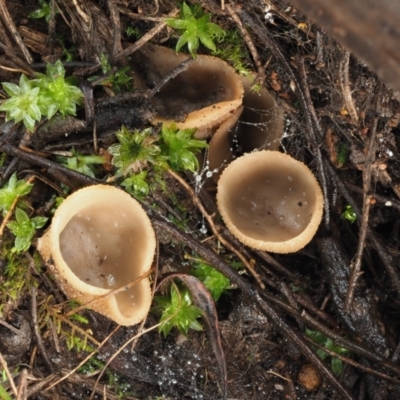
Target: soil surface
{"x":342,"y":289}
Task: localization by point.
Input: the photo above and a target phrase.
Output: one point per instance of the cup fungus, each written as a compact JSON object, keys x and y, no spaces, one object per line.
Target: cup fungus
{"x":261,"y":123}
{"x":101,"y":239}
{"x":270,"y":201}
{"x":258,"y":124}
{"x":202,"y":96}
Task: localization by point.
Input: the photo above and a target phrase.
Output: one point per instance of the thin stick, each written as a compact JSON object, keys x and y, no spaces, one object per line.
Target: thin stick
{"x":36,"y":330}
{"x":86,"y":359}
{"x":210,"y":221}
{"x":14,"y":31}
{"x":118,"y":352}
{"x":353,"y":363}
{"x":23,"y":383}
{"x":356,"y":266}
{"x":8,"y":215}
{"x":345,"y":85}
{"x":249,"y":43}
{"x":145,"y":38}
{"x":10,"y":327}
{"x":3,"y":362}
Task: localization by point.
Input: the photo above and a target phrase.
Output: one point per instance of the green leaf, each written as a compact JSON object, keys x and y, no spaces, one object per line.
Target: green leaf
{"x":215,"y":282}
{"x":3,"y":394}
{"x":24,"y":229}
{"x":43,"y":12}
{"x":336,"y":365}
{"x":82,"y":163}
{"x":349,"y":214}
{"x":13,"y":189}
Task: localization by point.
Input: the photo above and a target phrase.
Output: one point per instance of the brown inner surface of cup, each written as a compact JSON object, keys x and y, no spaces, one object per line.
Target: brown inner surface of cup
{"x":103,"y":249}
{"x":271,"y":204}
{"x":204,"y":83}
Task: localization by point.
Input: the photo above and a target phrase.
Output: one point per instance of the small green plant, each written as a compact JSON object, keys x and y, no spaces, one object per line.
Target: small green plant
{"x":24,"y":229}
{"x":57,"y":93}
{"x":177,"y":311}
{"x":173,"y":148}
{"x":136,"y":185}
{"x":195,"y":27}
{"x":117,"y":81}
{"x":43,"y":12}
{"x":349,"y":214}
{"x":17,"y":276}
{"x":134,"y":151}
{"x":180,"y":147}
{"x":81,"y":163}
{"x":11,"y":191}
{"x":342,"y":153}
{"x":23,"y":104}
{"x":3,"y":394}
{"x":132,"y":32}
{"x":215,"y":282}
{"x":44,"y":96}
{"x":321,"y":339}
{"x":232,"y":49}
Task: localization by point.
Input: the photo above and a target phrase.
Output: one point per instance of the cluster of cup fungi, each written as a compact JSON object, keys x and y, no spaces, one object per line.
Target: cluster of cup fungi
{"x":100,"y":237}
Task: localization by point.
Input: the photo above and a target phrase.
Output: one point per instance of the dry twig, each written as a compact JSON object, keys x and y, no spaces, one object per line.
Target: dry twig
{"x":345,"y":85}
{"x":210,"y":221}
{"x":14,"y":31}
{"x":249,"y":42}
{"x":356,"y":266}
{"x":3,"y":362}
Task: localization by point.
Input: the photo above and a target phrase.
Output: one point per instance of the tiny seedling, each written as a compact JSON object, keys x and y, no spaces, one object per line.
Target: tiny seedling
{"x":81,"y":163}
{"x":195,"y":27}
{"x":321,"y":339}
{"x":12,"y":190}
{"x":116,"y":81}
{"x":43,"y":12}
{"x":132,"y":32}
{"x":342,"y":153}
{"x":177,"y":311}
{"x":349,"y":214}
{"x":180,"y":147}
{"x":24,"y":229}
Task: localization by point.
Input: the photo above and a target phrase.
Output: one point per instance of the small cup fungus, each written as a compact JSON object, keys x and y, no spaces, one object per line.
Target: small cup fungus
{"x":257,"y":125}
{"x":202,"y":96}
{"x":101,"y":239}
{"x":270,"y":201}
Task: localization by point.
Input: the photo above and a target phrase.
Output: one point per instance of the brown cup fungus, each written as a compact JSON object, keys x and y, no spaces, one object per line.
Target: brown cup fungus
{"x":261,"y":123}
{"x":270,"y":201}
{"x":257,"y":125}
{"x":202,"y":96}
{"x":101,"y":239}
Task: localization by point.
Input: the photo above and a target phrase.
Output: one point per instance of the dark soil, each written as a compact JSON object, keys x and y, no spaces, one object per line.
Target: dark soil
{"x":341,"y":120}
